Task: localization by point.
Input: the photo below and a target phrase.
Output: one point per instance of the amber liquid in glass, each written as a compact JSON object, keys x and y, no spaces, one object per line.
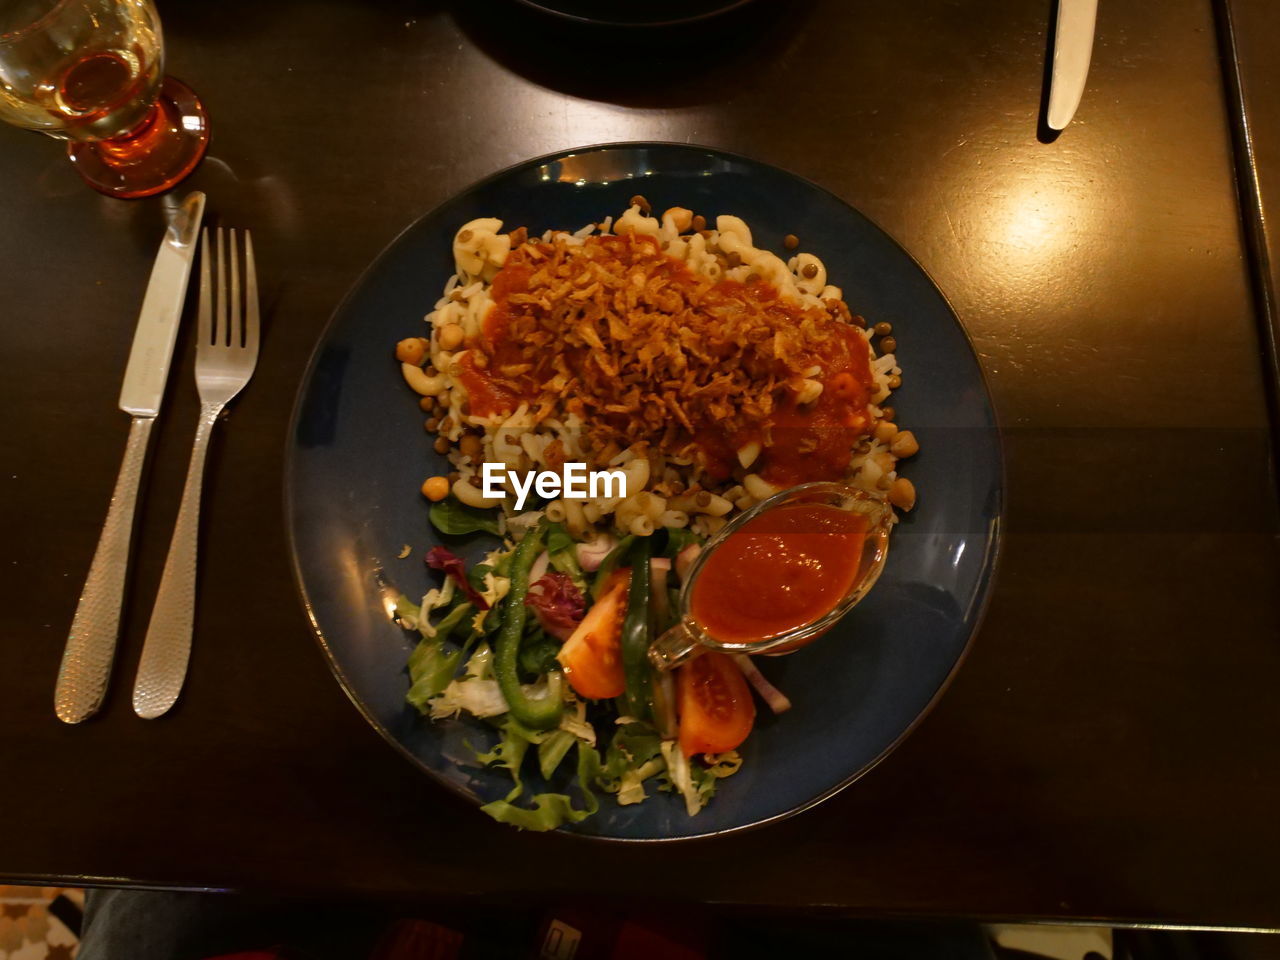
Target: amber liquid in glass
{"x":102,"y":94}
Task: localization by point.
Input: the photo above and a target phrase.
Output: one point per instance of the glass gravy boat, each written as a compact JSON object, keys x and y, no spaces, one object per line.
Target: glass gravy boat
{"x":688,"y":637}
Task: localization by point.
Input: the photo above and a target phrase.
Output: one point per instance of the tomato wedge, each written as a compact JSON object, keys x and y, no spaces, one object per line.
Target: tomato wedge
{"x":716,"y":709}
{"x":592,"y":656}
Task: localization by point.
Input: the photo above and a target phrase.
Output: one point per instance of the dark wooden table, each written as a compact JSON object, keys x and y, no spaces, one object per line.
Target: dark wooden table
{"x":1109,"y":749}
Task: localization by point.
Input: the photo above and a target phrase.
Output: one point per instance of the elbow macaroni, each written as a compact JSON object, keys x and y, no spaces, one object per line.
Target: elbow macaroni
{"x":523,"y":441}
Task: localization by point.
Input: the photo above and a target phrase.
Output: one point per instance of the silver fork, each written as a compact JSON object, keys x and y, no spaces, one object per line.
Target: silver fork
{"x":226,"y":354}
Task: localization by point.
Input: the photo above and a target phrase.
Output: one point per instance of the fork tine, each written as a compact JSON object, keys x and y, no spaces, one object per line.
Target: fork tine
{"x":220,"y":291}
{"x":251,"y":320}
{"x":235,"y":333}
{"x":204,"y":317}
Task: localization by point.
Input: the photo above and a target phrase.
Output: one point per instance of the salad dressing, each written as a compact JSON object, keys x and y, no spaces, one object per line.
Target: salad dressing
{"x":783,"y":570}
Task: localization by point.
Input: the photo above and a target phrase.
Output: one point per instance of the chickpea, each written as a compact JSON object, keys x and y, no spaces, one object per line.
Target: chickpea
{"x":411,"y":350}
{"x":882,"y":329}
{"x":427,"y":404}
{"x":435,"y":488}
{"x":471,"y":446}
{"x":903,"y":493}
{"x":888,"y":345}
{"x":886,"y":430}
{"x":682,"y":218}
{"x":904,"y":445}
{"x":450,"y":336}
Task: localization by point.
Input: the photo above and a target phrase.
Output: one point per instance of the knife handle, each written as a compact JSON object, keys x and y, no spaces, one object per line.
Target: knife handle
{"x":167,"y":648}
{"x":91,"y":645}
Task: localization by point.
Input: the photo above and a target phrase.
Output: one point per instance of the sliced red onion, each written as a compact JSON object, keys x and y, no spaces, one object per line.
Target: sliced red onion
{"x":539,"y":567}
{"x":685,"y":558}
{"x":659,"y":569}
{"x":774,"y":697}
{"x":592,"y":553}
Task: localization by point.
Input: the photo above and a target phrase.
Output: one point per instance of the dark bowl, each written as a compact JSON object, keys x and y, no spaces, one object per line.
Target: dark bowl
{"x":635,"y":13}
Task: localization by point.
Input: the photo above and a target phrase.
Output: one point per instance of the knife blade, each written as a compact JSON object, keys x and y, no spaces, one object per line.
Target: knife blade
{"x":1072,"y":49}
{"x":148,"y":368}
{"x":91,"y":643}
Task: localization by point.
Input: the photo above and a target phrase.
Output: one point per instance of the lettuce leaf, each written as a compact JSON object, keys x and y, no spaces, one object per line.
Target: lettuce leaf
{"x":558,"y":539}
{"x":509,"y":752}
{"x":476,"y":575}
{"x":562,"y":550}
{"x":431,"y":667}
{"x":549,"y":810}
{"x":455,"y":568}
{"x":633,"y":748}
{"x":481,"y":695}
{"x":631,"y":786}
{"x":696,"y":782}
{"x":407,"y":612}
{"x":455,"y":518}
{"x":552,"y":750}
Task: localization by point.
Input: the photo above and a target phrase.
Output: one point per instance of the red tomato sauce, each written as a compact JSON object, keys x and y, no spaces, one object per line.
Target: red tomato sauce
{"x":801,"y":443}
{"x":782,"y":570}
{"x":488,"y":395}
{"x":813,"y":442}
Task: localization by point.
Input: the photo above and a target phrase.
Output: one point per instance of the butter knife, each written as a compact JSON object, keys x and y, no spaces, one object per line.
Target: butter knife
{"x":91,"y":644}
{"x":1072,"y":50}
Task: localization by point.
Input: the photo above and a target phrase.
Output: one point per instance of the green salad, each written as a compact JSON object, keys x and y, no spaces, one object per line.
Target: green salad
{"x":546,"y":640}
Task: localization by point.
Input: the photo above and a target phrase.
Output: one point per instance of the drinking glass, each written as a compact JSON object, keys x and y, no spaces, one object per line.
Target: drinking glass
{"x":688,"y":637}
{"x":91,"y":72}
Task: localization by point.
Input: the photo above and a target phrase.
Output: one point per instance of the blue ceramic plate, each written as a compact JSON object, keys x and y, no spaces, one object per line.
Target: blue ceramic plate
{"x":358,"y":454}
